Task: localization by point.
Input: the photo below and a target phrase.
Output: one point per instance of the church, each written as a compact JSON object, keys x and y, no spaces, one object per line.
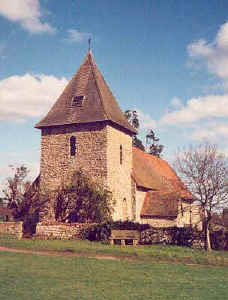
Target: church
{"x":86,"y":129}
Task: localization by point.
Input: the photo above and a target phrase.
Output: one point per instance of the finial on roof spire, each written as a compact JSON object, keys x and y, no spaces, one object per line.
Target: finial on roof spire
{"x":89,"y":41}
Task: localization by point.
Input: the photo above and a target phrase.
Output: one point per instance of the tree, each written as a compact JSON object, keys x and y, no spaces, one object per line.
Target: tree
{"x":23,"y":197}
{"x":132,"y":117}
{"x":83,"y":200}
{"x":152,"y":141}
{"x":16,"y":186}
{"x":205,"y":173}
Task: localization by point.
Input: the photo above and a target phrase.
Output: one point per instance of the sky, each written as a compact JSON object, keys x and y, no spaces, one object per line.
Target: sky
{"x":166,"y":59}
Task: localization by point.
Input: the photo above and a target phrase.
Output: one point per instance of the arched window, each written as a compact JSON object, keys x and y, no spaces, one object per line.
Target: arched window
{"x":72,"y":145}
{"x":121,"y":154}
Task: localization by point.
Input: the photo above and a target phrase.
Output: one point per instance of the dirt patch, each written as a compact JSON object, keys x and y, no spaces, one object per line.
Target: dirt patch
{"x":65,"y":253}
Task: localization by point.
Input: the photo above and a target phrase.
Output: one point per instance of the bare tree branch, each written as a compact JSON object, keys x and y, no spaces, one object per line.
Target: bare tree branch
{"x":205,"y":173}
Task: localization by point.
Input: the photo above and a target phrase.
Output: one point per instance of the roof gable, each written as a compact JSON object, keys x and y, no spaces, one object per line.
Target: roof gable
{"x":98,"y":104}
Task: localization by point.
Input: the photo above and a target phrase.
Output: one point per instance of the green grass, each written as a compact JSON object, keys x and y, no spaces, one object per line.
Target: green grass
{"x":143,"y":253}
{"x":36,"y":277}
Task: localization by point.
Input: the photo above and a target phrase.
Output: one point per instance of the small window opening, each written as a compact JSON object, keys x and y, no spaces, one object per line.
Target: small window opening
{"x":72,"y":146}
{"x":121,"y":154}
{"x":77,"y":100}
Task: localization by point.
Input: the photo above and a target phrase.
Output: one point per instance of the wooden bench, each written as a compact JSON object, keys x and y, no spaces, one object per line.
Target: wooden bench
{"x":123,"y":235}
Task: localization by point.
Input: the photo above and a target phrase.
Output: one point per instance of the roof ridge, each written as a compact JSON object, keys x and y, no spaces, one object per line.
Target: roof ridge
{"x":92,"y":64}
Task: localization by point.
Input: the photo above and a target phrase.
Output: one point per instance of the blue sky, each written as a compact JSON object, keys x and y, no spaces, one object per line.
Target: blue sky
{"x":166,"y":59}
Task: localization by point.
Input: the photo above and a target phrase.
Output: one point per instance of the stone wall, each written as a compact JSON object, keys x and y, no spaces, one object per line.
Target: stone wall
{"x":140,"y":198}
{"x":159,"y":222}
{"x":57,"y":165}
{"x":12,"y":228}
{"x":173,"y":236}
{"x":61,"y":231}
{"x":189,"y":214}
{"x":119,"y":175}
{"x":97,"y":153}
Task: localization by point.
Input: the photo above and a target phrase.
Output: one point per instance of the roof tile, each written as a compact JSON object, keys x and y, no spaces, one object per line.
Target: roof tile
{"x":99,"y":104}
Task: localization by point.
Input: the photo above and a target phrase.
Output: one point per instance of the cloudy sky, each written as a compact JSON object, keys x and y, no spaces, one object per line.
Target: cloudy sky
{"x":166,"y":59}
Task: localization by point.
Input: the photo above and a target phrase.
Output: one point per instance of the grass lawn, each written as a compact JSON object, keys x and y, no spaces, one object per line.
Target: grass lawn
{"x":33,"y":277}
{"x":143,"y":253}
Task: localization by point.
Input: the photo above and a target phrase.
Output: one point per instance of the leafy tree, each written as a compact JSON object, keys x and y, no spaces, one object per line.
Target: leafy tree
{"x":83,"y":200}
{"x":132,"y":117}
{"x":154,"y":148}
{"x":151,"y":139}
{"x":137,"y":143}
{"x":205,"y":172}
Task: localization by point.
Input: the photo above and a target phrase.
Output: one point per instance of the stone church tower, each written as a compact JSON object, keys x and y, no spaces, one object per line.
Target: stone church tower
{"x":86,"y":129}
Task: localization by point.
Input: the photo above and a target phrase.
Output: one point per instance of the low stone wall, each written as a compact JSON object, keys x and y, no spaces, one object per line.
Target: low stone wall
{"x":159,"y":222}
{"x":61,"y":231}
{"x":12,"y":228}
{"x":172,"y":236}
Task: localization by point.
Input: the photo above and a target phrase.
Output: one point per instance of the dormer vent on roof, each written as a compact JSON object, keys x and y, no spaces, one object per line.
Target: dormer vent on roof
{"x":100,"y":105}
{"x":77,"y":100}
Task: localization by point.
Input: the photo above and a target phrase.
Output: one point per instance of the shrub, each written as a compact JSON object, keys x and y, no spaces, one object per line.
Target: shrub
{"x":83,"y":200}
{"x":129,"y":225}
{"x":99,"y":232}
{"x":102,"y":232}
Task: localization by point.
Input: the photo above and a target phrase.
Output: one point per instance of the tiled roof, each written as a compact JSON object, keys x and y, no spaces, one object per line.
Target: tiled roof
{"x":165,"y":186}
{"x":152,"y":172}
{"x":98,"y":104}
{"x":160,"y":204}
{"x":142,"y":171}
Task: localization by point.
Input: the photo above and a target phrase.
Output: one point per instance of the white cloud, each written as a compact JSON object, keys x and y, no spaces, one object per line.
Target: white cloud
{"x":176,"y":103}
{"x":197,"y":109}
{"x":211,"y":131}
{"x":75,"y":36}
{"x":145,"y":120}
{"x":28,"y":96}
{"x":27,"y":13}
{"x":215,"y":54}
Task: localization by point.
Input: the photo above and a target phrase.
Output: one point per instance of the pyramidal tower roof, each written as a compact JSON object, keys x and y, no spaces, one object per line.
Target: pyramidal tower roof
{"x":87,"y":98}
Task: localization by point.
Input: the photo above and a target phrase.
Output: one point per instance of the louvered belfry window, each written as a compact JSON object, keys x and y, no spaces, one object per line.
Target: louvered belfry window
{"x":72,"y":146}
{"x":77,"y":100}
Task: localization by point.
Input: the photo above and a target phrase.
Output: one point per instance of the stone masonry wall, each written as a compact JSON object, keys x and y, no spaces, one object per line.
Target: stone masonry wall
{"x":189,"y":214}
{"x":119,"y":175}
{"x":57,"y":165}
{"x":12,"y":228}
{"x":159,"y":222}
{"x":61,"y":231}
{"x":140,"y":197}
